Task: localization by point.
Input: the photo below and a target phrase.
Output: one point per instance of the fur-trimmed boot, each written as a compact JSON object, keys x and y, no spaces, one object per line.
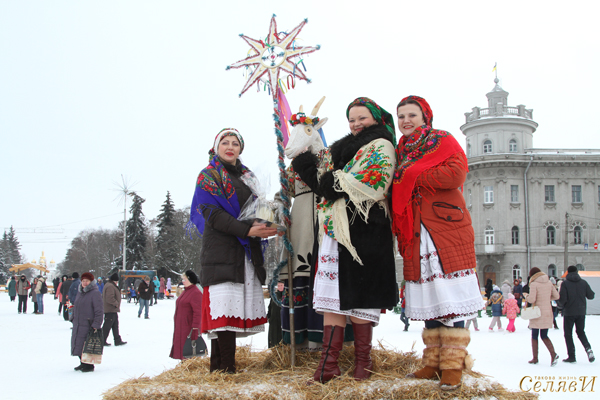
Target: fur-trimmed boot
{"x":431,"y":356}
{"x":363,"y":335}
{"x":333,"y":341}
{"x":454,"y":357}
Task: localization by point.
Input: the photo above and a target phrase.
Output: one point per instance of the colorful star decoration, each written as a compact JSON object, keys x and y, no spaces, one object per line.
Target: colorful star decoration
{"x":273,"y":55}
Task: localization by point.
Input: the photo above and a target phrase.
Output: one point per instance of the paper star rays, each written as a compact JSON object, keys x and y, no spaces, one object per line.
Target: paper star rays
{"x":273,"y":55}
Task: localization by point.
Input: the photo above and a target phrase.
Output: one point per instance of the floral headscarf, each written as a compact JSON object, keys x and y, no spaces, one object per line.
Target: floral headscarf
{"x":223,"y":133}
{"x":379,"y":114}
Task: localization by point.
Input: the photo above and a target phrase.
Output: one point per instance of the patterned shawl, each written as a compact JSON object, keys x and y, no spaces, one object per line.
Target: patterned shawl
{"x":366,"y":179}
{"x":214,"y":189}
{"x":424,"y":149}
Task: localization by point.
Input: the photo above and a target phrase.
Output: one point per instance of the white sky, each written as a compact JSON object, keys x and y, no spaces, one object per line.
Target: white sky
{"x":93,"y":90}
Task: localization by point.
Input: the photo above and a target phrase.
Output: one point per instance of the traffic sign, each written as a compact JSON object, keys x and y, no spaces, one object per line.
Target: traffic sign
{"x":595,"y":246}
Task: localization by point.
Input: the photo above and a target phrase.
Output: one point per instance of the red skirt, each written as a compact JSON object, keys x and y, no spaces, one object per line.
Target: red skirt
{"x":238,"y":324}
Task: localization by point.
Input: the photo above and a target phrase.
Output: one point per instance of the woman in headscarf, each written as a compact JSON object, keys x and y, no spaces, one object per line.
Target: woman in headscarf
{"x":231,"y":254}
{"x":188,"y":314}
{"x":436,"y":241}
{"x":356,"y":275}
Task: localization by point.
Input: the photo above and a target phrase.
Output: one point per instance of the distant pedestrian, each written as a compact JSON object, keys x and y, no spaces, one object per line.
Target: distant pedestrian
{"x":541,"y":293}
{"x":40,"y":290}
{"x":87,"y":315}
{"x":573,"y":294}
{"x":162,"y":287}
{"x":510,"y":309}
{"x":488,"y":288}
{"x":33,"y":295}
{"x":506,"y":289}
{"x":145,"y":292}
{"x":403,"y":316}
{"x":100,"y":285}
{"x":23,"y":287}
{"x":156,"y":288}
{"x":12,"y":288}
{"x":111,"y":300}
{"x":554,"y":303}
{"x":518,"y":292}
{"x":59,"y":294}
{"x":74,"y":288}
{"x":496,"y":302}
{"x":188,"y":314}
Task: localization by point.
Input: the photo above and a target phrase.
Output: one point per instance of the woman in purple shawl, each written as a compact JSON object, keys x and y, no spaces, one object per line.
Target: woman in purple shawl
{"x":231,"y":256}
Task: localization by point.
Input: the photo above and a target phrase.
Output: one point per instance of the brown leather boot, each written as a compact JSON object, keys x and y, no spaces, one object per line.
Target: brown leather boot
{"x":333,"y":340}
{"x":215,"y":355}
{"x":363,"y":335}
{"x":553,"y":355}
{"x":227,"y":351}
{"x":431,"y":356}
{"x":534,"y":349}
{"x":454,"y":357}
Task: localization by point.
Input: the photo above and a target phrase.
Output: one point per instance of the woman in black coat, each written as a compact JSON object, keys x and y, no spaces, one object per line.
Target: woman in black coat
{"x":356,"y":275}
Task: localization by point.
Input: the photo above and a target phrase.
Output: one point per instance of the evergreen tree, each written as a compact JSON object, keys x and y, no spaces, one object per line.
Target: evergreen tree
{"x":165,"y":240}
{"x":136,"y":234}
{"x":11,"y":247}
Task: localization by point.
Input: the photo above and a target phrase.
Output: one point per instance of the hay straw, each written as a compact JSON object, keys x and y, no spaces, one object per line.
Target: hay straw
{"x":266,"y":375}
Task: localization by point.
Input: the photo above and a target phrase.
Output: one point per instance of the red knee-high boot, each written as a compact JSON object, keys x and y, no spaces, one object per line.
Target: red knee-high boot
{"x":333,"y":340}
{"x":363,"y":335}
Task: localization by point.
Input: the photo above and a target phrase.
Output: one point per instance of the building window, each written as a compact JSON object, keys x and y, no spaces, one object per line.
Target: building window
{"x":487,"y":147}
{"x":598,"y":194}
{"x":552,"y":270}
{"x":550,"y":235}
{"x":515,"y":234}
{"x":576,"y":193}
{"x":488,"y":194}
{"x":489,"y":235}
{"x":514,"y":193}
{"x":516,"y":272}
{"x":577,"y":234}
{"x":549,"y":197}
{"x":468,"y":149}
{"x":512,"y":146}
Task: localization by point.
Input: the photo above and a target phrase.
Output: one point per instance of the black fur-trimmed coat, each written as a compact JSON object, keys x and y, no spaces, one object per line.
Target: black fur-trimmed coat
{"x":372,"y":285}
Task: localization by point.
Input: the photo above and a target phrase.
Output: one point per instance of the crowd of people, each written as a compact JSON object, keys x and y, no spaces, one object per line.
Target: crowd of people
{"x":372,"y":192}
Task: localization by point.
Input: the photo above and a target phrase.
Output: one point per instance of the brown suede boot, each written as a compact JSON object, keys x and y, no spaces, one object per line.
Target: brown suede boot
{"x":363,"y":335}
{"x":534,"y":350}
{"x":431,"y":356}
{"x":333,"y":341}
{"x":553,"y":356}
{"x":454,"y":357}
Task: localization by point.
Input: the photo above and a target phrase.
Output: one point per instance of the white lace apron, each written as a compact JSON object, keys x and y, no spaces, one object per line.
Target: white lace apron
{"x":238,"y":300}
{"x":447,"y":298}
{"x":326,"y":297}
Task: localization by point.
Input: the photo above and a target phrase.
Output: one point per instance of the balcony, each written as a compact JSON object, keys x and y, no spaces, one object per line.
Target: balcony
{"x":491,"y":249}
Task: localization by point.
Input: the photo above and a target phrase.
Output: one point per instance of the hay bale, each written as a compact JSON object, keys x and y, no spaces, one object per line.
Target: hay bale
{"x":266,"y":375}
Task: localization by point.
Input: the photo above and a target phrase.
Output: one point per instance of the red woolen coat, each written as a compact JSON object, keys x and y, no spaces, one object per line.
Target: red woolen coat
{"x":188,"y":315}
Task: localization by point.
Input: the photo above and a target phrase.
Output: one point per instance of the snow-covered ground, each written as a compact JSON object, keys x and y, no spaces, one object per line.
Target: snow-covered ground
{"x":36,"y":351}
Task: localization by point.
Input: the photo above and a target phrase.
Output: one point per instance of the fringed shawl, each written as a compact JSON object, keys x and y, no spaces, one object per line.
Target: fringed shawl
{"x":214,"y":189}
{"x":424,"y":149}
{"x":366,"y":179}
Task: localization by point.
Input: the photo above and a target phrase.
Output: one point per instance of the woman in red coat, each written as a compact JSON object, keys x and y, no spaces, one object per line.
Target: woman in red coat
{"x":436,"y":241}
{"x":188,"y":314}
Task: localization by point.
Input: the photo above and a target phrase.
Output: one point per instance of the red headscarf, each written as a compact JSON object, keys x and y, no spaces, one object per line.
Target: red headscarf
{"x":427,"y":113}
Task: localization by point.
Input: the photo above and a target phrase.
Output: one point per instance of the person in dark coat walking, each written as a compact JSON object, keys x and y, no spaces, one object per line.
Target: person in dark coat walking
{"x":518,"y":292}
{"x":145,"y":293}
{"x":23,"y":287}
{"x":87,"y":315}
{"x":12,"y":288}
{"x":111,"y":297}
{"x":573,"y":294}
{"x":188,"y":314}
{"x":74,"y":288}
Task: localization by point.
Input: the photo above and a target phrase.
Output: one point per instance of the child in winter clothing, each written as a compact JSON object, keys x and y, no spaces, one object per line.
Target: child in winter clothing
{"x":133,"y":295}
{"x":511,"y":309}
{"x":496,"y":302}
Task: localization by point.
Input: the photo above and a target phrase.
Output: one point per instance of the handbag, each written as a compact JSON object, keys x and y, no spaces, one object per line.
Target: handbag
{"x":194,"y":348}
{"x":93,"y":347}
{"x":531,"y":312}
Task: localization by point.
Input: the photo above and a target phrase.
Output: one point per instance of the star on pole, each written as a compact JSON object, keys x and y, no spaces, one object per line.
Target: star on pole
{"x":273,"y":55}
